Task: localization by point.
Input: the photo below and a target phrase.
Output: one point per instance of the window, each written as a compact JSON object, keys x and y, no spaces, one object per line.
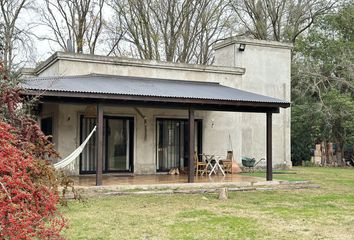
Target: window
{"x":47,"y":127}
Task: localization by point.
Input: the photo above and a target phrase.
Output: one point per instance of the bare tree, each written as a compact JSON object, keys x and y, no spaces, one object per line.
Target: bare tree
{"x":12,"y":35}
{"x":114,"y":36}
{"x":78,"y":22}
{"x":279,"y":20}
{"x":172,"y":30}
{"x":135,"y":18}
{"x":214,"y":25}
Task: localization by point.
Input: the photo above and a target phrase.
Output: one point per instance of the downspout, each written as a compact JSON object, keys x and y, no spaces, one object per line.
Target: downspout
{"x":145,"y":122}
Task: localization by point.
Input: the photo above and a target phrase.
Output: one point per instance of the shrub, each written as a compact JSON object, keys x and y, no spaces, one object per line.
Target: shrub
{"x":28,"y":197}
{"x":28,"y":182}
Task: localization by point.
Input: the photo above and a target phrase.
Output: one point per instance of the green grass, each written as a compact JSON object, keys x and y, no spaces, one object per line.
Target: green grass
{"x":324,"y":213}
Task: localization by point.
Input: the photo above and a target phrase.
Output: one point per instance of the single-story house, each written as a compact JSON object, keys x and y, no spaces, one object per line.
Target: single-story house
{"x":151,"y":115}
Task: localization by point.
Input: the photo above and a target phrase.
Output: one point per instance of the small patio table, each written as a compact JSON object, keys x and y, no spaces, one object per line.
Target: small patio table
{"x":214,"y":168}
{"x":217,"y":166}
{"x":207,"y":158}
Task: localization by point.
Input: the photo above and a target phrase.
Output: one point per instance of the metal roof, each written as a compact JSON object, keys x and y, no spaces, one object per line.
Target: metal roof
{"x":151,"y":87}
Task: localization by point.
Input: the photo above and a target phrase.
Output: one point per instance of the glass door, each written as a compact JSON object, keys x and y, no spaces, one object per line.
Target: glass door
{"x":173,"y":144}
{"x":168,"y":144}
{"x":118,"y":143}
{"x":88,"y":157}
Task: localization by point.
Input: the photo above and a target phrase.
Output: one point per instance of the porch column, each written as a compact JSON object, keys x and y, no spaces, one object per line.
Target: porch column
{"x":269,"y":147}
{"x":99,"y":144}
{"x":191,"y":145}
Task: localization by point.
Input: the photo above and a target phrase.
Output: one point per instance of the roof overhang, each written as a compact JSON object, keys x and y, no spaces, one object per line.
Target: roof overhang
{"x":151,"y":93}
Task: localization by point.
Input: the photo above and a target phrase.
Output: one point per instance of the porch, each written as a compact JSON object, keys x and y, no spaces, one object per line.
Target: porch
{"x":159,"y":179}
{"x":185,"y":99}
{"x":158,"y":184}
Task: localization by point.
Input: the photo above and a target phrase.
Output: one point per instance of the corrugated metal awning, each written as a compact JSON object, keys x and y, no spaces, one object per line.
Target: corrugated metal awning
{"x":102,"y":86}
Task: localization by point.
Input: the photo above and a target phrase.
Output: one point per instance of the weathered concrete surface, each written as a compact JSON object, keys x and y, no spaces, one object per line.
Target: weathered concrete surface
{"x":189,"y":188}
{"x":268,"y":69}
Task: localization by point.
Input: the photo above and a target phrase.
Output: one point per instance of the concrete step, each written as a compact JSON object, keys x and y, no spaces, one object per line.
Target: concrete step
{"x":189,"y":188}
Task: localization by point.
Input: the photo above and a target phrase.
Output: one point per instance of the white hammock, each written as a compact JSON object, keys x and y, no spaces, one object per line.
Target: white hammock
{"x":69,"y":159}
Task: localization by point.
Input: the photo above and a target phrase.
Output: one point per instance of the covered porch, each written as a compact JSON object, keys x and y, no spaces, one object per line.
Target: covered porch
{"x":104,"y":91}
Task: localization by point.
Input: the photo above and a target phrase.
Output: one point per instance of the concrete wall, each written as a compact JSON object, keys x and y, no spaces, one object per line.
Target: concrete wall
{"x":66,"y":64}
{"x":216,"y":129}
{"x":268,"y":66}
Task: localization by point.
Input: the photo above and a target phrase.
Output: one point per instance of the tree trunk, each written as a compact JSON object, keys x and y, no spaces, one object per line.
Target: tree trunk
{"x":339,"y":154}
{"x":324,"y":154}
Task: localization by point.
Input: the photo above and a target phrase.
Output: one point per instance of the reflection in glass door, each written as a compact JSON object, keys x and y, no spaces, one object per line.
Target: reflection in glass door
{"x":172,"y":143}
{"x":88,"y":157}
{"x":118,"y":145}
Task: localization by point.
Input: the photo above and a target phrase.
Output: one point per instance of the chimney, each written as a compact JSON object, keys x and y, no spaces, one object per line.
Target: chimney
{"x":70,"y":46}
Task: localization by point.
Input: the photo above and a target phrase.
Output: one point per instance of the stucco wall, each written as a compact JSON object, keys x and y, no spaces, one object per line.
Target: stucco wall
{"x":66,"y":64}
{"x":268,"y":66}
{"x":216,"y":130}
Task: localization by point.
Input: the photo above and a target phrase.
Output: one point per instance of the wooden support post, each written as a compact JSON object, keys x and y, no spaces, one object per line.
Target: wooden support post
{"x":269,"y":147}
{"x":191,"y":145}
{"x":99,"y":144}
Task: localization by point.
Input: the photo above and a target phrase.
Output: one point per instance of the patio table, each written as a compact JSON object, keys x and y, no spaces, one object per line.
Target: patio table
{"x":207,"y":158}
{"x":217,"y":166}
{"x":214,"y":168}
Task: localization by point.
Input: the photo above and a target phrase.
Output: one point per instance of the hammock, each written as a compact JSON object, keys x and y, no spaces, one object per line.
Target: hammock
{"x":69,"y":159}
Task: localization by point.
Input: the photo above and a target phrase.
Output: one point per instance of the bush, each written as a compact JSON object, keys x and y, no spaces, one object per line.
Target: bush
{"x":28,"y":198}
{"x":28,"y":182}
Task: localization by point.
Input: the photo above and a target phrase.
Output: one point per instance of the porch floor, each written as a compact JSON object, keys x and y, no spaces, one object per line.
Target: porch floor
{"x":131,"y":179}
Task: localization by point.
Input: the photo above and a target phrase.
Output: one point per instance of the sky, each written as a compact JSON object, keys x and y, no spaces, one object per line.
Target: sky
{"x":40,"y":50}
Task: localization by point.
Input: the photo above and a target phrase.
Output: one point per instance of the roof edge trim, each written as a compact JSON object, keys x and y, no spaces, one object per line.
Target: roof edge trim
{"x":136,"y":63}
{"x":254,"y":42}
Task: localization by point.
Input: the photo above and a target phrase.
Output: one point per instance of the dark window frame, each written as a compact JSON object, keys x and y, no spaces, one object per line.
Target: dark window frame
{"x":131,"y":145}
{"x":185,"y":120}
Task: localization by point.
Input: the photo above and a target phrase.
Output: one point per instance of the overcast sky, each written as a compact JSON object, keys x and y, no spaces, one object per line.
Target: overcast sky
{"x":41,"y":49}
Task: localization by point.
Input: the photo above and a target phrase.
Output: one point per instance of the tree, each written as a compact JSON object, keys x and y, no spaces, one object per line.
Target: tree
{"x":12,"y":35}
{"x":338,"y":120}
{"x":279,"y":20}
{"x":172,"y":30}
{"x":305,"y":131}
{"x":323,"y":75}
{"x":74,"y":22}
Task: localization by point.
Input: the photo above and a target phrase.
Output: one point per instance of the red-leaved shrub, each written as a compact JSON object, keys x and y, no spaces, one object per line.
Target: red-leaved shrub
{"x":27,"y":200}
{"x":28,"y":182}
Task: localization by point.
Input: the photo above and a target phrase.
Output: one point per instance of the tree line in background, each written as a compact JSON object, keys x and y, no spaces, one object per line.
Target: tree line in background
{"x":185,"y":31}
{"x":169,"y":30}
{"x":323,"y":87}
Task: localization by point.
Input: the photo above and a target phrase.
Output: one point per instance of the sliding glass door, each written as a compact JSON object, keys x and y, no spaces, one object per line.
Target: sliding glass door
{"x":118,"y":145}
{"x":88,"y":157}
{"x":173,"y":143}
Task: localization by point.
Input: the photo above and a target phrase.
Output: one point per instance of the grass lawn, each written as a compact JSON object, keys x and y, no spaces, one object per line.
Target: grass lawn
{"x":324,"y":213}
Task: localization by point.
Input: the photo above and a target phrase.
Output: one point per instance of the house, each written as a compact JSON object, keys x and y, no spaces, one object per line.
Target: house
{"x":151,"y":115}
